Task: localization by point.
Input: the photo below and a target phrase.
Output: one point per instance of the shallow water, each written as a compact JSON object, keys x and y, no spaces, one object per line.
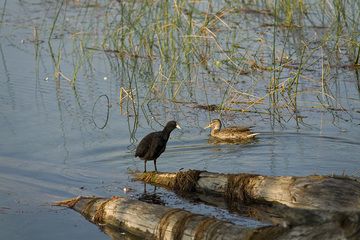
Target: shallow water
{"x":50,"y":148}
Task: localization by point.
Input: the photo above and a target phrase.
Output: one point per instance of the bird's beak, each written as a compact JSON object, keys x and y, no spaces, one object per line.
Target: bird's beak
{"x":177,"y":126}
{"x":207,"y":126}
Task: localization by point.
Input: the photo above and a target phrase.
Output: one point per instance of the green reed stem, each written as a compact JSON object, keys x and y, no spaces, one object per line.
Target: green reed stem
{"x":3,"y":14}
{"x":274,"y":81}
{"x":55,"y":20}
{"x":357,"y":56}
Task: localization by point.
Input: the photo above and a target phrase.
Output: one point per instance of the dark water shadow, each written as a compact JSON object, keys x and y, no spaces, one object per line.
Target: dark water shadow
{"x":151,"y":197}
{"x":118,"y":233}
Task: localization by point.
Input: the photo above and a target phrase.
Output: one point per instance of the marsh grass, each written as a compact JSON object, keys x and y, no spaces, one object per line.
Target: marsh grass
{"x":3,"y":14}
{"x":235,"y":55}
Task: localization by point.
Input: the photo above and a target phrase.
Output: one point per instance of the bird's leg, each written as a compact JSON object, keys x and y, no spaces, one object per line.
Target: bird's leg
{"x":144,"y":187}
{"x":144,"y":165}
{"x":155,"y":165}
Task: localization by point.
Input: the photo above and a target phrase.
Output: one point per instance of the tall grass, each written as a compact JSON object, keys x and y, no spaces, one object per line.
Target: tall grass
{"x":232,"y":54}
{"x":3,"y":13}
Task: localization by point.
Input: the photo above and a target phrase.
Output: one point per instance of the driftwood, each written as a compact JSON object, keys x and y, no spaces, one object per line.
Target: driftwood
{"x":276,"y":214}
{"x":156,"y":221}
{"x":310,"y":192}
{"x":152,"y":221}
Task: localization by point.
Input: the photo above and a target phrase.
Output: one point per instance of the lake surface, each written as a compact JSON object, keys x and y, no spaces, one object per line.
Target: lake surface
{"x":53,"y":146}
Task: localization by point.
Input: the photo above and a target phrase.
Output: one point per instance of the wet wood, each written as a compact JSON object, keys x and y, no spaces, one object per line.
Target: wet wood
{"x":152,"y":221}
{"x":156,"y":221}
{"x":310,"y":192}
{"x":276,"y":214}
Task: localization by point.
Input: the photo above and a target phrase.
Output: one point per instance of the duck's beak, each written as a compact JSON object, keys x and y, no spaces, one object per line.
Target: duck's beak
{"x":178,"y":126}
{"x":207,"y":126}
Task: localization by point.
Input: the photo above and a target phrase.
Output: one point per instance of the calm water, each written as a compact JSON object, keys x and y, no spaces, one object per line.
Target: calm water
{"x":50,"y":148}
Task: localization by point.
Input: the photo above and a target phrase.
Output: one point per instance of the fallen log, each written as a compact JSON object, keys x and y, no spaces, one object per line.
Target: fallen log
{"x":152,"y":221}
{"x":333,"y":193}
{"x":156,"y":221}
{"x":276,"y":214}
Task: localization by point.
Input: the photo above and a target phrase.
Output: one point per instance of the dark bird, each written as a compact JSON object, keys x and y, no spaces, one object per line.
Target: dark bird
{"x":154,"y":144}
{"x":230,"y":133}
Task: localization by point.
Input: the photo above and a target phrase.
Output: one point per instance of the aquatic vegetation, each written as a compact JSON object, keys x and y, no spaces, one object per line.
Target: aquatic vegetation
{"x":281,"y":58}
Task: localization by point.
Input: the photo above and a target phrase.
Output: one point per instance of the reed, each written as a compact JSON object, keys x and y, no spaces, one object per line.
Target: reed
{"x":220,"y":53}
{"x":3,"y":14}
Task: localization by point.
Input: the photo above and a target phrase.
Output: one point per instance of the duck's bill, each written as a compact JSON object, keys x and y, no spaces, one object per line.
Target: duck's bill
{"x":178,"y":126}
{"x":207,"y":126}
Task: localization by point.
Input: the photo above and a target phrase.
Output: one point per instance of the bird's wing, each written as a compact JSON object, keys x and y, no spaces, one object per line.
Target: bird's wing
{"x":144,"y":145}
{"x":233,"y":129}
{"x":159,"y":145}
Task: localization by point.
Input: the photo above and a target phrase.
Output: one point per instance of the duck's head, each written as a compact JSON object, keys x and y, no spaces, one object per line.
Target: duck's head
{"x":214,"y":124}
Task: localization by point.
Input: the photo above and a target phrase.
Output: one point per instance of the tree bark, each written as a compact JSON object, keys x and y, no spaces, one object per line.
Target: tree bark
{"x":152,"y":221}
{"x":310,"y":192}
{"x":156,"y":221}
{"x":276,"y":214}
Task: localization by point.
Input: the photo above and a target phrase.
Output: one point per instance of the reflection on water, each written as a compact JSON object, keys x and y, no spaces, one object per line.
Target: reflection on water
{"x":51,"y":94}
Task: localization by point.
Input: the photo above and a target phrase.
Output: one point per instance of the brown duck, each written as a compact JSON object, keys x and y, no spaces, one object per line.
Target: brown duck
{"x":230,"y":133}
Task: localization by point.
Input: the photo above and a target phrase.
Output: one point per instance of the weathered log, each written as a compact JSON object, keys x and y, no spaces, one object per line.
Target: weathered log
{"x":159,"y":222}
{"x":276,"y":214}
{"x":310,"y":192}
